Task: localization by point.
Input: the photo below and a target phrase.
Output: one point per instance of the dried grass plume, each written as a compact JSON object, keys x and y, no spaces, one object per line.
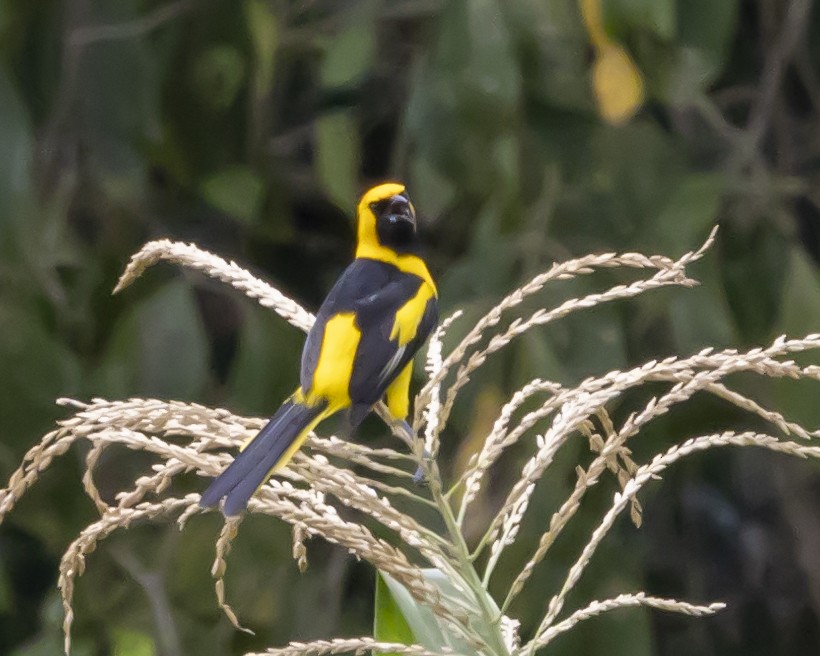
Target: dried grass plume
{"x":330,"y":473}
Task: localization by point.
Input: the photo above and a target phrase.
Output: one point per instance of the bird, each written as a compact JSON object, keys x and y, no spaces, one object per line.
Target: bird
{"x":359,"y":351}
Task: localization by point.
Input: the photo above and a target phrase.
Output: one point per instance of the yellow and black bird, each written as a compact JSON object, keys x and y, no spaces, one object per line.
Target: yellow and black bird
{"x":359,"y":351}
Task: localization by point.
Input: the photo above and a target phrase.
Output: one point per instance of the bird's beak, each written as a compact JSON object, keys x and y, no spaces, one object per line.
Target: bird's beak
{"x":401,"y":211}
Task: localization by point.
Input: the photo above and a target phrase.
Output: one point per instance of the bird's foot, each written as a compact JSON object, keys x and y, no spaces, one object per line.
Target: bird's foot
{"x":408,"y":435}
{"x":419,"y":478}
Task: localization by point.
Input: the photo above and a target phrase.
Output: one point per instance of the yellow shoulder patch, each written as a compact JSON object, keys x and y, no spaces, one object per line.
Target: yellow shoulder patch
{"x":409,"y":315}
{"x":398,"y":394}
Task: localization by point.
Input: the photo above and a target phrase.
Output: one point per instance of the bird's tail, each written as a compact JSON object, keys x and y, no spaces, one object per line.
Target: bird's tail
{"x":270,"y":450}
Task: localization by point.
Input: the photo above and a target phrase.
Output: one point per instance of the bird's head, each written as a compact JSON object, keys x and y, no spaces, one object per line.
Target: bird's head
{"x":387,"y":219}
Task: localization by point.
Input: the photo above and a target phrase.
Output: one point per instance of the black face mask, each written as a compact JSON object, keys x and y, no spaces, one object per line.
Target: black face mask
{"x":396,"y":223}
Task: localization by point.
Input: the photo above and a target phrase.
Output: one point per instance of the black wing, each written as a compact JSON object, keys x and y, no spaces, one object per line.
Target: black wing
{"x":359,"y":280}
{"x":374,"y":291}
{"x":379,"y":359}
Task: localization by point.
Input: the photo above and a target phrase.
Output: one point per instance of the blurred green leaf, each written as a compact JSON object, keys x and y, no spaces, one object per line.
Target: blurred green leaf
{"x":15,"y":163}
{"x":236,"y":190}
{"x":709,"y":27}
{"x":700,"y":316}
{"x":128,"y":642}
{"x":656,"y":16}
{"x":617,"y":185}
{"x":705,"y":31}
{"x":120,"y":105}
{"x":554,"y":59}
{"x":589,"y":342}
{"x":38,"y":369}
{"x":389,"y":624}
{"x":350,"y":54}
{"x":800,"y":316}
{"x":263,"y":27}
{"x":465,"y":97}
{"x":52,"y":645}
{"x":800,"y":313}
{"x":49,"y":640}
{"x":158,"y":348}
{"x":432,"y":191}
{"x":218,"y":74}
{"x":337,"y":156}
{"x":625,"y":632}
{"x":754,"y":258}
{"x":691,"y":209}
{"x":266,"y":368}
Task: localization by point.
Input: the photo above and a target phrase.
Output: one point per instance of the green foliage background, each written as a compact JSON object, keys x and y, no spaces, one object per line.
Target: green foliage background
{"x":250,"y":126}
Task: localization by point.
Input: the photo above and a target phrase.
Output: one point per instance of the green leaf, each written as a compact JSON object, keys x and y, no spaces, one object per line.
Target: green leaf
{"x":337,"y":156}
{"x":753,"y":259}
{"x":128,"y":642}
{"x":16,"y":144}
{"x":700,"y":316}
{"x":690,"y":211}
{"x":218,"y":75}
{"x":656,"y":16}
{"x":420,"y":619}
{"x":705,"y":32}
{"x":616,"y":185}
{"x":463,"y":109}
{"x":432,"y":191}
{"x":624,"y":632}
{"x":351,"y":52}
{"x":52,"y":645}
{"x":120,"y":106}
{"x":266,"y":367}
{"x":49,"y":641}
{"x":554,"y":58}
{"x":263,"y":28}
{"x":800,"y":314}
{"x":37,"y":369}
{"x":236,"y":190}
{"x":709,"y":27}
{"x":389,"y":624}
{"x":159,"y":348}
{"x":588,"y":341}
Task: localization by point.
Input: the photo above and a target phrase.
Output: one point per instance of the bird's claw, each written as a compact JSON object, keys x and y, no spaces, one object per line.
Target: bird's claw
{"x":407,"y":434}
{"x":419,"y":478}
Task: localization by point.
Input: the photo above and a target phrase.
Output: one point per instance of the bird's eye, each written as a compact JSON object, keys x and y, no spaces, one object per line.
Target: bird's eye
{"x":381,"y":207}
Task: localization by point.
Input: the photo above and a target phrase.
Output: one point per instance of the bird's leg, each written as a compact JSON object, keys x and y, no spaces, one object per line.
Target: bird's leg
{"x":407,"y":434}
{"x":418,"y":477}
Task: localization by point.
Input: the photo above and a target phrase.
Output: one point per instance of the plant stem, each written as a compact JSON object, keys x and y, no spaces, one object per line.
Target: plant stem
{"x":489,"y":613}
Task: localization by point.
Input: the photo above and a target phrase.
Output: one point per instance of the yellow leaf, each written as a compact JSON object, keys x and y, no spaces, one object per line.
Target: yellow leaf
{"x":594,"y":22}
{"x":617,"y":84}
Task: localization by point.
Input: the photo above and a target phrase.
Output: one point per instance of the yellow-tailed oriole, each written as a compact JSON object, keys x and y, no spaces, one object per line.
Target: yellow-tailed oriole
{"x":375,"y":318}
